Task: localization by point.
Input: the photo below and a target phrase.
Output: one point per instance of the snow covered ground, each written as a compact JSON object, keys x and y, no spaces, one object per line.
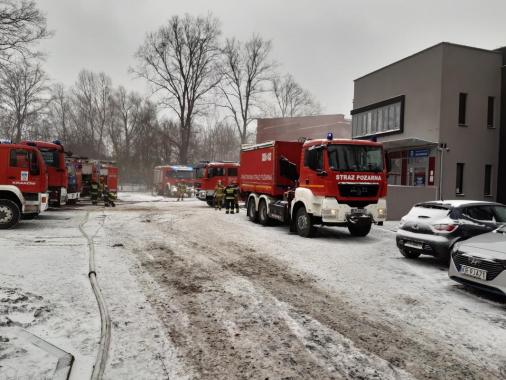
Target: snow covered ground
{"x":195,"y":293}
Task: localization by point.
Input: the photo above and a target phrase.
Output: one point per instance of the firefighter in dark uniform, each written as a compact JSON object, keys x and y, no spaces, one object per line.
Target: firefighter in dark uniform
{"x":231,"y":192}
{"x":108,"y":198}
{"x":94,"y":192}
{"x":236,"y":199}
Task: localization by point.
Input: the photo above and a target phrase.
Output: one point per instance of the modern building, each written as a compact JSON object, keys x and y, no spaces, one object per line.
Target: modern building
{"x":438,"y":114}
{"x":294,"y":128}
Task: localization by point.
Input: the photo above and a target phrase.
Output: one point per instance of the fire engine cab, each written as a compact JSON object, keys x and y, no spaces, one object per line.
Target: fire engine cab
{"x":54,"y":157}
{"x":23,"y":183}
{"x":207,"y":175}
{"x":166,"y":178}
{"x":319,"y":182}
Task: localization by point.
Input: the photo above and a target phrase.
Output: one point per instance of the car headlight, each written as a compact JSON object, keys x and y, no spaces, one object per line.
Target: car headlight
{"x":402,"y":222}
{"x":382,"y":212}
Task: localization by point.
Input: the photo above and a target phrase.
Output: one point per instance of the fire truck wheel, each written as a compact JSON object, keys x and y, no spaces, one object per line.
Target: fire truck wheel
{"x":303,"y":223}
{"x":9,"y":214}
{"x":359,"y":230}
{"x":252,"y":213}
{"x":263,"y":218}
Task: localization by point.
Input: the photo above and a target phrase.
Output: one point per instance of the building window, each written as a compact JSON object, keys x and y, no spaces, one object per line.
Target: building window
{"x":488,"y":180}
{"x":385,"y":117}
{"x":490,"y":112}
{"x":462,"y":108}
{"x":459,"y":188}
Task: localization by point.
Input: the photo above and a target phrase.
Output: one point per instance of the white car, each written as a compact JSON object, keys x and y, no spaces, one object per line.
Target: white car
{"x":481,"y":262}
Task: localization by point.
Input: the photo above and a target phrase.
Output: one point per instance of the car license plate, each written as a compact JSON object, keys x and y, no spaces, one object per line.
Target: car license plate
{"x":358,"y":210}
{"x":473,"y":272}
{"x":413,"y":244}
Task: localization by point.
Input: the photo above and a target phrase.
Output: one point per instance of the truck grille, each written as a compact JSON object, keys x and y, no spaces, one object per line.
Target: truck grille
{"x":493,"y":269}
{"x":358,"y":191}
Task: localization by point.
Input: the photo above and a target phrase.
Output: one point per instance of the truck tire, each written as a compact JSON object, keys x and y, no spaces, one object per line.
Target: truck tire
{"x":359,"y":230}
{"x":252,"y":212}
{"x":9,"y":214}
{"x":303,"y":223}
{"x":263,"y":217}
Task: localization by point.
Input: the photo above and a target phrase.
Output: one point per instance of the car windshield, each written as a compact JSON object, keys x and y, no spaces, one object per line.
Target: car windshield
{"x":357,"y":158}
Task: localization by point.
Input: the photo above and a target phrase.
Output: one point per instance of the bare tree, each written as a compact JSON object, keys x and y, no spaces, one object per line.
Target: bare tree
{"x":22,"y":93}
{"x":291,"y":99}
{"x":93,"y":111}
{"x":245,"y":69}
{"x":59,"y":112}
{"x":179,"y":61}
{"x":21,"y":25}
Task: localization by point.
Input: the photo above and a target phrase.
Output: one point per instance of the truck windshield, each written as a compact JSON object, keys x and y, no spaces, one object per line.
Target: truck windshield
{"x":50,"y":157}
{"x":180,"y":174}
{"x":200,"y":172}
{"x":355,"y":158}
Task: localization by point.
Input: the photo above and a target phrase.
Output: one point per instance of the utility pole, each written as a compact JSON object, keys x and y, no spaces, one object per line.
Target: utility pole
{"x":442,"y":148}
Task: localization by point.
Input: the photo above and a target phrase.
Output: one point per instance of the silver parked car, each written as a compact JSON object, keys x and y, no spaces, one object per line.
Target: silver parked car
{"x":481,"y":261}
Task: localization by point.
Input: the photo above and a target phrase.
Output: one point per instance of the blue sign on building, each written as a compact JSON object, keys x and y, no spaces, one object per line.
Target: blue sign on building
{"x":413,"y":153}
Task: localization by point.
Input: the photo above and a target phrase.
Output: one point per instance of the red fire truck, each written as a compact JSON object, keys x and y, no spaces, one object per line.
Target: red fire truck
{"x":23,"y":183}
{"x":110,"y":173}
{"x":166,"y":178}
{"x":90,"y":170}
{"x":318,"y":182}
{"x":54,"y":157}
{"x":75,"y":179}
{"x":207,"y":175}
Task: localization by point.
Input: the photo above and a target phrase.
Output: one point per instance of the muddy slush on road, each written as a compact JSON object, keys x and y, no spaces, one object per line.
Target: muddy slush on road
{"x":236,"y":312}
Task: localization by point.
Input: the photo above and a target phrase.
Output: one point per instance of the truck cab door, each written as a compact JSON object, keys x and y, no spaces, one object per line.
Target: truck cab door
{"x":18,"y":170}
{"x":313,"y":174}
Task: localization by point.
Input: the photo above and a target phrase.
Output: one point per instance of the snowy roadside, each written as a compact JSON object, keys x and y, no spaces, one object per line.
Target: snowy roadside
{"x":44,"y":289}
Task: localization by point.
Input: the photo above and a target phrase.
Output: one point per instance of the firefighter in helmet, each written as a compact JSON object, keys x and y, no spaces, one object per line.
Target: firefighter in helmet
{"x":219,"y":193}
{"x":181,"y":190}
{"x":108,"y":197}
{"x":231,"y":192}
{"x":94,"y":192}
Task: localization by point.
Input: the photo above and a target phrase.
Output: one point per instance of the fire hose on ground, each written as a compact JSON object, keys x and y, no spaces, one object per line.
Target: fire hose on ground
{"x":105,"y":319}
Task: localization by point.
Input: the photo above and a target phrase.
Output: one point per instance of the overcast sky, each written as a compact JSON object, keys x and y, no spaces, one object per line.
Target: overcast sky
{"x":325,"y":44}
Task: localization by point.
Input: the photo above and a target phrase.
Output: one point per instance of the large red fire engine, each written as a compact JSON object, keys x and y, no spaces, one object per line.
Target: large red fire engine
{"x":318,"y":182}
{"x":23,"y":183}
{"x":207,"y":175}
{"x":54,"y":157}
{"x":166,"y":178}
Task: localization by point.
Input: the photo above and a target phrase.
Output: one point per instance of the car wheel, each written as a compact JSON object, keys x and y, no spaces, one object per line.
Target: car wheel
{"x":210,"y":202}
{"x":9,"y":214}
{"x":263,"y":218}
{"x":359,"y":230}
{"x":252,"y":212}
{"x":410,"y":254}
{"x":303,"y":223}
